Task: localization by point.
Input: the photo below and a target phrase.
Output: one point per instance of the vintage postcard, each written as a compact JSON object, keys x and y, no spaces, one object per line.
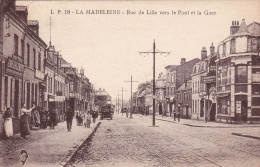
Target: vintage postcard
{"x":129,"y":83}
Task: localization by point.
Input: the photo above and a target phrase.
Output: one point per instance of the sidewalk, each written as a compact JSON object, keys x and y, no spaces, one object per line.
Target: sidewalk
{"x":201,"y":123}
{"x":254,"y":131}
{"x":53,"y":149}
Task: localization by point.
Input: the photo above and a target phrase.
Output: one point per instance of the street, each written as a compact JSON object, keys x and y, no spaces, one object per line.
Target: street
{"x":134,"y":142}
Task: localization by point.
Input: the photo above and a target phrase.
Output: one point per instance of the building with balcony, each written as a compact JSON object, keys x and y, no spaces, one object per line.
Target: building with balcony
{"x":204,"y":86}
{"x":238,"y":73}
{"x":22,"y":62}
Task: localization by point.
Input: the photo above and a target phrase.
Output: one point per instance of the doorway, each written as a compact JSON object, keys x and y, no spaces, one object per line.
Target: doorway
{"x":212,"y":112}
{"x":16,"y":98}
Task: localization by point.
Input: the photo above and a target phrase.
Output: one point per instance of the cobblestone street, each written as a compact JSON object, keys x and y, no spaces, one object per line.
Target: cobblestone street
{"x":133,"y":142}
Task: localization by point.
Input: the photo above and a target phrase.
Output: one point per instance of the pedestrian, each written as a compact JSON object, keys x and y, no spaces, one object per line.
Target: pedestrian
{"x":35,"y":116}
{"x":52,"y":116}
{"x":127,"y":113}
{"x":94,"y":116}
{"x":24,"y":123}
{"x":8,"y":125}
{"x":178,"y":112}
{"x":77,"y":118}
{"x":43,"y":116}
{"x":88,"y":120}
{"x":69,"y":117}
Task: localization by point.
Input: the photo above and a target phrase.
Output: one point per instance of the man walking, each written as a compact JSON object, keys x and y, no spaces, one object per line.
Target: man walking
{"x":69,"y":116}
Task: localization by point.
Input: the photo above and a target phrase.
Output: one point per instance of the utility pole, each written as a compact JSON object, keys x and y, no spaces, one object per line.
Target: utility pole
{"x":154,"y":52}
{"x":122,"y":97}
{"x":131,"y":96}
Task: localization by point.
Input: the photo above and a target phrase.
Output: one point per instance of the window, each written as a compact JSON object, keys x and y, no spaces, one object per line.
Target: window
{"x":224,"y":49}
{"x":15,"y":44}
{"x":241,"y":43}
{"x":22,"y":48}
{"x":28,"y":55}
{"x":241,"y":74}
{"x":39,"y":61}
{"x":255,"y":89}
{"x":256,"y":101}
{"x":34,"y":58}
{"x":233,"y":46}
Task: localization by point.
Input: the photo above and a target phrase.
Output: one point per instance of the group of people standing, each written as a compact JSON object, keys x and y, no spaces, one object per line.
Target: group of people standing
{"x":85,"y":119}
{"x":41,"y":118}
{"x":82,"y":119}
{"x":35,"y":116}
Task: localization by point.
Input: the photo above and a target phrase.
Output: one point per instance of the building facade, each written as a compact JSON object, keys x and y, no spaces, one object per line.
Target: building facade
{"x":203,"y":86}
{"x":183,"y":99}
{"x":22,"y":61}
{"x":160,"y":92}
{"x":56,"y":83}
{"x":238,"y":73}
{"x":169,"y":88}
{"x":180,"y":75}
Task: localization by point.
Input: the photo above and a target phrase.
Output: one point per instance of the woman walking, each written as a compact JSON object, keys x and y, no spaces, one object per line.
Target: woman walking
{"x":24,"y":124}
{"x":8,"y":125}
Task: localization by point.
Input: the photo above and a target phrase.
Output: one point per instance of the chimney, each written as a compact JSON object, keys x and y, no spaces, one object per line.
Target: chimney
{"x":234,"y":27}
{"x":203,"y":53}
{"x":183,"y":61}
{"x":34,"y":26}
{"x":22,"y":12}
{"x":212,"y":49}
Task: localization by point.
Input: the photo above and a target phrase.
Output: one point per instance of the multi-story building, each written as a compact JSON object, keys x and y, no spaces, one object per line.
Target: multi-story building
{"x":203,"y":86}
{"x":23,"y":56}
{"x":169,"y":88}
{"x":160,"y":92}
{"x":144,"y":96}
{"x":56,"y":86}
{"x":238,"y":73}
{"x":183,"y":99}
{"x":180,"y":75}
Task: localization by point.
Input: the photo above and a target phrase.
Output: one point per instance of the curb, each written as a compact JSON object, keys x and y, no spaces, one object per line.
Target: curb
{"x":248,"y":136}
{"x":206,"y":126}
{"x":74,"y":149}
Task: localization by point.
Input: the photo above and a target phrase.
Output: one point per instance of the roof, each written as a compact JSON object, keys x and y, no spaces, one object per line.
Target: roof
{"x":182,"y":87}
{"x":171,"y":67}
{"x":254,"y":28}
{"x":242,"y":29}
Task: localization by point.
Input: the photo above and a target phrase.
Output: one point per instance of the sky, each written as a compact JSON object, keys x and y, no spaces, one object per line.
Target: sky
{"x":108,"y":46}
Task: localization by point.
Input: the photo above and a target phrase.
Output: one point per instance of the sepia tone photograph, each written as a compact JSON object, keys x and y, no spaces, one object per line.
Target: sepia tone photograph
{"x":129,"y":83}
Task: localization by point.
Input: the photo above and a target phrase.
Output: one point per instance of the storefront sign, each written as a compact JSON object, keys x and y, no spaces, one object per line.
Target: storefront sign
{"x":39,"y":74}
{"x":208,"y":79}
{"x":14,"y":68}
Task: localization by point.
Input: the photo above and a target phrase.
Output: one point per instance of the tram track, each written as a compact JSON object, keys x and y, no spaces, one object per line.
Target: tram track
{"x":167,"y":161}
{"x":207,"y":140}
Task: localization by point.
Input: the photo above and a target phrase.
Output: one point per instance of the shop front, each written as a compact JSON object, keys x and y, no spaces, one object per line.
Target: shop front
{"x":13,"y":86}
